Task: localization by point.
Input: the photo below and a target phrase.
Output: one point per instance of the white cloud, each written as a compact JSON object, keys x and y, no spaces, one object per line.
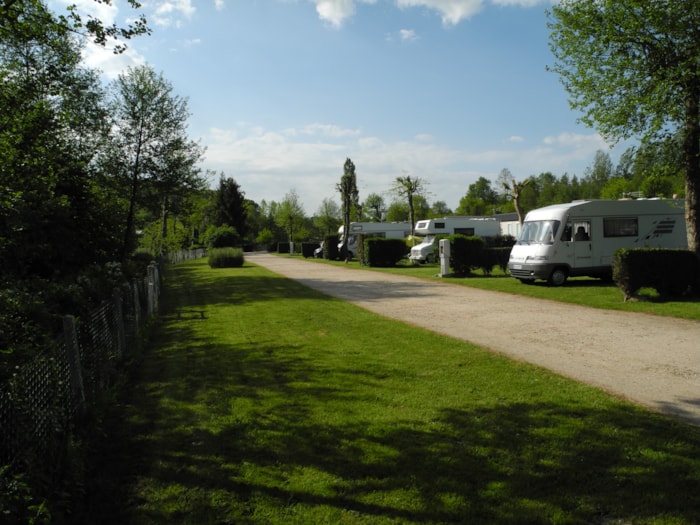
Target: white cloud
{"x":335,"y":12}
{"x":452,"y":11}
{"x":309,"y":158}
{"x":515,"y":138}
{"x":169,"y":13}
{"x":521,"y":3}
{"x":106,"y":13}
{"x":407,"y":35}
{"x":575,"y":140}
{"x":219,"y":5}
{"x":111,"y":65}
{"x":326,"y":130}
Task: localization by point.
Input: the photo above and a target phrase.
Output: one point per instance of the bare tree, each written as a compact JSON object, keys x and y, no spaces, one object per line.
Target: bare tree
{"x":513,"y":190}
{"x":408,"y":188}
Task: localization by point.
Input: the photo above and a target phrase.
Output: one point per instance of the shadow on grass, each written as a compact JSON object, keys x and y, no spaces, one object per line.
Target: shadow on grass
{"x":232,"y":290}
{"x":517,"y":463}
{"x":509,"y":463}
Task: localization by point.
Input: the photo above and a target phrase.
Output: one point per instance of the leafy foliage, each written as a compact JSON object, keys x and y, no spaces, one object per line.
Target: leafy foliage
{"x":349,"y":196}
{"x":631,"y":67}
{"x":383,"y":252}
{"x":226,"y":258}
{"x":465,"y":253}
{"x":222,"y":237}
{"x":230,"y":207}
{"x":669,"y":272}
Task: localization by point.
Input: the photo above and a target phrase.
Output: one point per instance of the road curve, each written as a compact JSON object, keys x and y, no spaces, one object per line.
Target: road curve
{"x":650,"y":360}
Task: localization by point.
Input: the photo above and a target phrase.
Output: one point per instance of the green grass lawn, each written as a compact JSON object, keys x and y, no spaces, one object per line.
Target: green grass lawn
{"x":285,"y":406}
{"x":586,"y":291}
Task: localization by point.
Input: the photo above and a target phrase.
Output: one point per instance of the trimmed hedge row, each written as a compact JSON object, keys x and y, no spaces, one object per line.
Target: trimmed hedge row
{"x":470,"y":253}
{"x":330,"y":247}
{"x":383,"y":253}
{"x":669,"y":272}
{"x":465,"y":253}
{"x":226,"y":257}
{"x":308,"y":249}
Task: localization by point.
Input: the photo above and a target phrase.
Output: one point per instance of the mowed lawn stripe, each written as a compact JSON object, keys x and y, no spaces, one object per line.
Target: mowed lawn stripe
{"x":283,"y":405}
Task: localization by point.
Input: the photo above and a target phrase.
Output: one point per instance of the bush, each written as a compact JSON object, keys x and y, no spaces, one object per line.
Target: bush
{"x":669,"y":272}
{"x":330,"y":247}
{"x":226,"y":258}
{"x":491,"y":257}
{"x":380,"y":252}
{"x":222,"y":237}
{"x":466,"y":253}
{"x":308,"y":248}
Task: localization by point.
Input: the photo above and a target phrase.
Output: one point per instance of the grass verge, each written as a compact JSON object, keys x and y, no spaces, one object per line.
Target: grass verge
{"x":285,"y":406}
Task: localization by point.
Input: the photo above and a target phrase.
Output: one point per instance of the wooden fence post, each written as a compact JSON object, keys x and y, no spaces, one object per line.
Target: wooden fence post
{"x":119,"y":323}
{"x":70,"y":333}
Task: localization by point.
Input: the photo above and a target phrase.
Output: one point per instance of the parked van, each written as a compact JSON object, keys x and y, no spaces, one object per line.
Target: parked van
{"x":387,"y":230}
{"x":429,"y":228}
{"x":581,"y":237}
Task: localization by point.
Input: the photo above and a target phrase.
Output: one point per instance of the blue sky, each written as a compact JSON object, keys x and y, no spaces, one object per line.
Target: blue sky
{"x":283,"y":91}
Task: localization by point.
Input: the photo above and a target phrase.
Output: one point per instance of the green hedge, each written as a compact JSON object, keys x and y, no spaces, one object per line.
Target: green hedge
{"x":465,"y":253}
{"x":669,"y":272}
{"x":383,"y":253}
{"x":226,"y":258}
{"x":308,"y":248}
{"x":491,"y":257}
{"x":330,"y":247}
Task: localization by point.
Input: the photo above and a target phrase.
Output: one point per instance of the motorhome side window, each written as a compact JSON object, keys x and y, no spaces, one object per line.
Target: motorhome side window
{"x":440,"y":225}
{"x":576,"y":231}
{"x":620,"y":227}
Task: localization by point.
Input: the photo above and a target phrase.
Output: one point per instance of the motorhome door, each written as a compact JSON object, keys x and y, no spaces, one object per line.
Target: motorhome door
{"x":583,"y":246}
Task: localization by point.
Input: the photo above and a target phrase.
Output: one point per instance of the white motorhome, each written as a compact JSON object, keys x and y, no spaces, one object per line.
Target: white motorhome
{"x":580,"y":238}
{"x":387,"y":230}
{"x":430,"y":228}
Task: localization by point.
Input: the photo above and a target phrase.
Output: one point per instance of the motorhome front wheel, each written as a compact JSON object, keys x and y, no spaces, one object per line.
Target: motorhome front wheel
{"x":558,"y":277}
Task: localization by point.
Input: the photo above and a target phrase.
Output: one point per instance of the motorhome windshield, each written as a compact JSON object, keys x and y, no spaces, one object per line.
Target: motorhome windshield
{"x":538,"y":232}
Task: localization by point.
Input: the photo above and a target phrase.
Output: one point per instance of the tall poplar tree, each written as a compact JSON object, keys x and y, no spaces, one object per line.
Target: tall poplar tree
{"x":349,"y":196}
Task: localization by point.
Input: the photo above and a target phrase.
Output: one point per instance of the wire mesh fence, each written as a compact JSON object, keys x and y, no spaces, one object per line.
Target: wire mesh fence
{"x":47,"y":397}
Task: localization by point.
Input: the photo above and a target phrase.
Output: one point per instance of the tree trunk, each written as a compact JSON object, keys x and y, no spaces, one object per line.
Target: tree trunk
{"x":516,"y":205}
{"x":130,"y":217}
{"x":163,"y":224}
{"x":691,"y":151}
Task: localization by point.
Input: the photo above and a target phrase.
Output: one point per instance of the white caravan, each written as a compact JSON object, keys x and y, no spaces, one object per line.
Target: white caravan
{"x":581,"y":237}
{"x":387,"y":230}
{"x":429,"y":228}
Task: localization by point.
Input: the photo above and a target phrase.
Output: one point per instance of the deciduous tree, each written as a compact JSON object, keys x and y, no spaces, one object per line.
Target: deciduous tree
{"x":633,"y":68}
{"x":289,"y":215}
{"x":407,"y":188}
{"x":349,"y":196}
{"x":150,"y":152}
{"x":513,"y":190}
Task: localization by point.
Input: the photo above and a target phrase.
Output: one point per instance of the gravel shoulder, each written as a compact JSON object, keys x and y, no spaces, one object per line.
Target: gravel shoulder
{"x":649,"y":360}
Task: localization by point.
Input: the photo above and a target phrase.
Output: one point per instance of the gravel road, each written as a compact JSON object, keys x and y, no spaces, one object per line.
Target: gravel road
{"x":650,"y":360}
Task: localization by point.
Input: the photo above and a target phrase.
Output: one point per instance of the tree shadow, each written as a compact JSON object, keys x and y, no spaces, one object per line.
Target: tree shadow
{"x":512,"y":463}
{"x":509,"y":462}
